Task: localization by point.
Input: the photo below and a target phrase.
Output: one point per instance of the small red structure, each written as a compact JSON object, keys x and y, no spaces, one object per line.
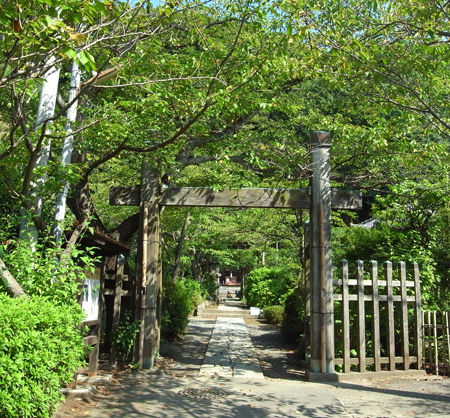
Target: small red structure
{"x":231,"y":278}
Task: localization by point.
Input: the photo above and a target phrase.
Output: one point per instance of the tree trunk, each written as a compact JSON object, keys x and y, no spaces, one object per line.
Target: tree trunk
{"x":12,"y":287}
{"x":179,"y":251}
{"x":195,"y":268}
{"x":127,"y":228}
{"x":82,"y":206}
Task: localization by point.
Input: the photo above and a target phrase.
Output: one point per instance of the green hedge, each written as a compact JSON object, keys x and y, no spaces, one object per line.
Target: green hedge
{"x":40,"y":349}
{"x":273,"y":314}
{"x":293,"y":325}
{"x":179,"y":301}
{"x":267,"y":286}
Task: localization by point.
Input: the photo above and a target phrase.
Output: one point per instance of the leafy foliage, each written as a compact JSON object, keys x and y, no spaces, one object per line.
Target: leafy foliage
{"x":41,"y":347}
{"x":273,"y":314}
{"x":125,"y":335}
{"x":41,"y":342}
{"x":293,"y":325}
{"x":267,"y":286}
{"x":397,"y":238}
{"x":224,"y":94}
{"x":47,"y":271}
{"x":179,"y":301}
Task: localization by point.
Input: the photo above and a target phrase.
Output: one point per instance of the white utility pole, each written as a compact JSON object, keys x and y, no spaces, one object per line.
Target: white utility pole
{"x":46,"y":110}
{"x":66,"y":156}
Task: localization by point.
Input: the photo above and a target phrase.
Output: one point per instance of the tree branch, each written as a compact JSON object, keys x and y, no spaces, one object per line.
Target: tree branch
{"x":9,"y":282}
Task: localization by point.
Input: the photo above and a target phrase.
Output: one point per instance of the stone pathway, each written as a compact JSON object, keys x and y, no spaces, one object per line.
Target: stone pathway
{"x":230,"y":351}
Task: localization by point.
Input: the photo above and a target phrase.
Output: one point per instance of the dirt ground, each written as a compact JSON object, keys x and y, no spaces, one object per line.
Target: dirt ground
{"x":277,"y":357}
{"x":80,"y":406}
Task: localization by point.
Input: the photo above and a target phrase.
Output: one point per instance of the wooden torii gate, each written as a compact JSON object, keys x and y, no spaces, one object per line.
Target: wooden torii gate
{"x":319,"y":199}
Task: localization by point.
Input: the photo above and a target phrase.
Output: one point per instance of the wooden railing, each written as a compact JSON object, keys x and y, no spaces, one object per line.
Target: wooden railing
{"x":436,"y":342}
{"x":376,"y":321}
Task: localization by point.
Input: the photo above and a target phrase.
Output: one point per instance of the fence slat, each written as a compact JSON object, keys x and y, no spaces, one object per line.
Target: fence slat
{"x":447,"y":329}
{"x":435,"y":344}
{"x":429,"y":345}
{"x":345,"y":317}
{"x":390,"y":302}
{"x":361,"y":318}
{"x":375,"y":315}
{"x":381,"y":298}
{"x":405,"y":331}
{"x":418,"y":316}
{"x":354,"y":282}
{"x":408,"y":355}
{"x":370,"y":360}
{"x":424,"y":340}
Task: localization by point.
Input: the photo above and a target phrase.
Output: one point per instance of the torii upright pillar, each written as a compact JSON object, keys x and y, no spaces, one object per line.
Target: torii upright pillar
{"x":150,"y":266}
{"x":322,"y":316}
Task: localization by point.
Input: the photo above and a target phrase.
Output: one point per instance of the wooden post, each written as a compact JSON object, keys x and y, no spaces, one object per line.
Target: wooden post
{"x":429,"y":340}
{"x":150,"y":268}
{"x":375,"y":315}
{"x":120,"y":264}
{"x":418,"y":317}
{"x":404,"y":302}
{"x":361,"y":317}
{"x":435,"y":345}
{"x":139,"y":288}
{"x":391,"y":324}
{"x":307,"y":279}
{"x":447,"y":329}
{"x":322,"y":318}
{"x":345,"y":317}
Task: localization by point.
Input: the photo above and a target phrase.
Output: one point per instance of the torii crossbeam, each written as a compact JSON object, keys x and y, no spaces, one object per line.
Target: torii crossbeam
{"x":319,"y":199}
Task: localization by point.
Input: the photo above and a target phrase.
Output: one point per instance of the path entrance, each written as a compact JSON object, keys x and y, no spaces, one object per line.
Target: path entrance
{"x":178,"y":387}
{"x":319,"y":198}
{"x":229,"y":382}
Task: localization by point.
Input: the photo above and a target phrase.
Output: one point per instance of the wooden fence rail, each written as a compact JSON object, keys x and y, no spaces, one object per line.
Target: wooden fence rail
{"x":436,"y":341}
{"x":394,"y":310}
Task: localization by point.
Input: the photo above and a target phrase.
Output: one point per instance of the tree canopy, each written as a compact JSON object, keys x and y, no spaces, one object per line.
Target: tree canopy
{"x":224,"y":94}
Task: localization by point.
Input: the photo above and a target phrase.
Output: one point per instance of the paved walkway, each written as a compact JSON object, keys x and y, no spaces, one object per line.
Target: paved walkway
{"x":230,"y":352}
{"x":216,"y":374}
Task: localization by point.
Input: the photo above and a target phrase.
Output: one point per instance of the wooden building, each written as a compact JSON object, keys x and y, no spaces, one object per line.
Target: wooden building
{"x":107,"y":292}
{"x":230,"y":278}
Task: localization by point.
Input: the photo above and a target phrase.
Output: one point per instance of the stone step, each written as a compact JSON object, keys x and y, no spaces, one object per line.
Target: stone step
{"x":228,"y":302}
{"x":218,"y":311}
{"x":246,"y":312}
{"x":226,"y":315}
{"x":92,"y":380}
{"x":222,"y":307}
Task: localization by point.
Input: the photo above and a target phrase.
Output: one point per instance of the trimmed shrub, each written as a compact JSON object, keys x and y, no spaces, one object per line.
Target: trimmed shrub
{"x":179,"y":301}
{"x":273,"y":314}
{"x":40,"y":350}
{"x":194,"y":292}
{"x":294,"y":315}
